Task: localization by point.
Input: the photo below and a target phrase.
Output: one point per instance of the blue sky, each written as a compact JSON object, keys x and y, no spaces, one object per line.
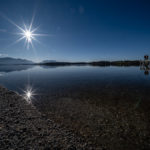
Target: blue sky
{"x":78,"y":30}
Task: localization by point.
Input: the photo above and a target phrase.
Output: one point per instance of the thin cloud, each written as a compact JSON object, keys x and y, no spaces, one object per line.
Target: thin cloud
{"x":3,"y":30}
{"x":3,"y":55}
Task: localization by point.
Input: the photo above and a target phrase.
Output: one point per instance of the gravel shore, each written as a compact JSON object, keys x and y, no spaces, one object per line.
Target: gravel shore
{"x":23,"y":127}
{"x":122,"y":127}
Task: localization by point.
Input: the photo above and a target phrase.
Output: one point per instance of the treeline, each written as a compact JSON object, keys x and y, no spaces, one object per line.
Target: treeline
{"x":96,"y":63}
{"x":116,"y":63}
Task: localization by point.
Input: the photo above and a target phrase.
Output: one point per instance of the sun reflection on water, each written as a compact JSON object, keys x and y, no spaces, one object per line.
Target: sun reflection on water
{"x":28,"y":94}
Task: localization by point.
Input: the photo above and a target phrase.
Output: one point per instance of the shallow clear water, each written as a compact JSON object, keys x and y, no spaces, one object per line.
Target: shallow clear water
{"x":90,"y":100}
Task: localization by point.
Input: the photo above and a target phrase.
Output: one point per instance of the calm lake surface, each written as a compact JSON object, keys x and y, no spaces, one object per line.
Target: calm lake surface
{"x":95,"y":102}
{"x":54,"y":79}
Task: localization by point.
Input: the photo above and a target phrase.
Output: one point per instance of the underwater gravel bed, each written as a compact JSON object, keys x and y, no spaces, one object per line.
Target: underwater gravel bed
{"x":24,"y":127}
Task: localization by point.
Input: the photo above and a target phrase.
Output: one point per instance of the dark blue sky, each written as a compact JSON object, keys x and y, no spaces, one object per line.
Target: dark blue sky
{"x":79,"y":30}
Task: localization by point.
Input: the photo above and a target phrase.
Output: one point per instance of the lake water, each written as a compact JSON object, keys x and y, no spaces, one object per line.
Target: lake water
{"x":53,"y":79}
{"x":94,"y":102}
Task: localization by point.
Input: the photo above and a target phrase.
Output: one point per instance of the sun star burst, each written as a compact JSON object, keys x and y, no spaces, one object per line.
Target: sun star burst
{"x":29,"y":94}
{"x":28,"y":33}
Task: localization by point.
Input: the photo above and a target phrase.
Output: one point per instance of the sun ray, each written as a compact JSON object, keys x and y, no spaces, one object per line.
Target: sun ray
{"x":36,"y":34}
{"x":35,"y":29}
{"x":25,"y":26}
{"x":19,"y":40}
{"x":32,"y":20}
{"x":12,"y":22}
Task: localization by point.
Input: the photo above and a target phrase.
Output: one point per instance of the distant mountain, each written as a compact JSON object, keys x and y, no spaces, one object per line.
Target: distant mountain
{"x":14,"y":61}
{"x":48,"y":61}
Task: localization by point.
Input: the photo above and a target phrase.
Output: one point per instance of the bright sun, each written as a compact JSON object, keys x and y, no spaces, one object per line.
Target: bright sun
{"x":28,"y":35}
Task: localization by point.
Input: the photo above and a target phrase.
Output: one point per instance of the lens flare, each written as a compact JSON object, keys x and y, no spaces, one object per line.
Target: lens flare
{"x":27,"y":32}
{"x":29,"y":94}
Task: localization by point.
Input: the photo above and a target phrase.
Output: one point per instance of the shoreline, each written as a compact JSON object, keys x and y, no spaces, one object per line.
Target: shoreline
{"x":23,"y":126}
{"x":89,"y":63}
{"x":95,"y":63}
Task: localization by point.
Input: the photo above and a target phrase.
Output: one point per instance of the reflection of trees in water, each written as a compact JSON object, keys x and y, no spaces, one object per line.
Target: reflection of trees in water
{"x":145,"y":65}
{"x":146,"y":72}
{"x":146,"y":69}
